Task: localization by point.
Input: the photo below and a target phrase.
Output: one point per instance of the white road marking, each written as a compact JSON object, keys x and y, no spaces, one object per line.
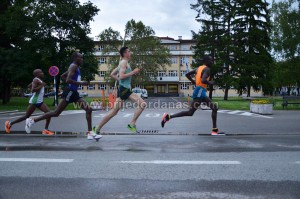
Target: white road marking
{"x":181,"y":162}
{"x":234,"y":112}
{"x":247,"y":114}
{"x":128,"y":115}
{"x":152,"y":115}
{"x":35,"y":160}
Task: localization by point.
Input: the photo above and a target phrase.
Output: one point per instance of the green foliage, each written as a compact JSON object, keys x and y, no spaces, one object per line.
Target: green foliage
{"x":39,"y":34}
{"x":236,"y":33}
{"x":286,"y":42}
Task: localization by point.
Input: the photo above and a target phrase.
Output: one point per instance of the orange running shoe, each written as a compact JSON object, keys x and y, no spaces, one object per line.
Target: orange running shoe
{"x":47,"y":132}
{"x":7,"y":127}
{"x":165,"y":119}
{"x":216,"y":131}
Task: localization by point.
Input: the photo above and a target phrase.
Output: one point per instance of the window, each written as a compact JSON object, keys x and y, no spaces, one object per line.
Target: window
{"x":184,"y":86}
{"x":161,"y":73}
{"x":185,"y":47}
{"x":101,"y":86}
{"x":172,"y":47}
{"x":174,"y":60}
{"x":100,"y":48}
{"x":182,"y":73}
{"x":91,"y":87}
{"x":150,"y":74}
{"x":80,"y":87}
{"x":173,"y":88}
{"x":173,"y":73}
{"x":102,"y":60}
{"x":112,"y":87}
{"x":183,"y":60}
{"x":102,"y":73}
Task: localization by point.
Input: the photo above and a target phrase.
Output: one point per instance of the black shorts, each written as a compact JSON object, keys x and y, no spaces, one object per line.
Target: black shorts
{"x":70,"y":96}
{"x":124,"y":93}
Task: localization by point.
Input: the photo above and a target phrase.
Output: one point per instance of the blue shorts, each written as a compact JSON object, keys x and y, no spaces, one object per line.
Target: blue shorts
{"x":199,"y":93}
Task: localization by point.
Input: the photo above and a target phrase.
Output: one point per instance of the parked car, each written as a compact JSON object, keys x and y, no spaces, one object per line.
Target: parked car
{"x":137,"y":91}
{"x":140,"y":92}
{"x":144,"y":93}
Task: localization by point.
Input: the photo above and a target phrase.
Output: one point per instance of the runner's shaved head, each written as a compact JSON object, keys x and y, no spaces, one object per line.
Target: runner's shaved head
{"x":36,"y":72}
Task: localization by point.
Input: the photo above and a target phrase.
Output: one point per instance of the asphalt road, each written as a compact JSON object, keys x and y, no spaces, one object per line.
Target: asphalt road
{"x":231,"y":122}
{"x":150,"y":166}
{"x":259,"y":157}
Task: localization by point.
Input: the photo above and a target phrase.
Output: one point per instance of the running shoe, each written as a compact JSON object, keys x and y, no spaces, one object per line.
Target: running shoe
{"x":132,"y":128}
{"x":29,"y":123}
{"x":47,"y":132}
{"x":7,"y":127}
{"x":216,"y":132}
{"x":165,"y":119}
{"x":93,"y":135}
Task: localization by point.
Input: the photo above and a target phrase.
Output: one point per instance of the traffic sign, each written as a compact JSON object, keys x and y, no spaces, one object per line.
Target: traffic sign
{"x":53,"y":71}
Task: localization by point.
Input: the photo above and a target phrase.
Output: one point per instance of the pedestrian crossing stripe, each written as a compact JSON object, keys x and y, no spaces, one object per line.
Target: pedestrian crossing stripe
{"x":158,"y":115}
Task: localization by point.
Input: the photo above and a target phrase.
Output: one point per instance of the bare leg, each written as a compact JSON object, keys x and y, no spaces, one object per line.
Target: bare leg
{"x":214,"y":108}
{"x":45,"y":109}
{"x":30,"y":109}
{"x":88,"y":112}
{"x":61,"y":106}
{"x":194,"y":106}
{"x":141,"y":105}
{"x":113,"y":112}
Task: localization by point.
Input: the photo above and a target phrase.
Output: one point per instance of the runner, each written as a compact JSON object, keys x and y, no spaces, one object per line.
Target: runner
{"x":70,"y":95}
{"x":202,"y":81}
{"x":36,"y":101}
{"x":123,"y":74}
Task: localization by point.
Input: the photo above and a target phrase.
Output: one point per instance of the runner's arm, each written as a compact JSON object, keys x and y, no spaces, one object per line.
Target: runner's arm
{"x":71,"y":72}
{"x":114,"y":74}
{"x":189,"y":75}
{"x":35,"y":87}
{"x":122,"y":74}
{"x":206,"y":74}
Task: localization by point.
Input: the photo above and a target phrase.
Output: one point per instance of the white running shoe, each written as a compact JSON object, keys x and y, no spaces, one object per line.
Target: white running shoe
{"x":92,"y":135}
{"x":29,"y":123}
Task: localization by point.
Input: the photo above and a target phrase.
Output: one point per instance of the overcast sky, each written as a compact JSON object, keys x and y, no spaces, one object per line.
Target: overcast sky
{"x":166,"y":17}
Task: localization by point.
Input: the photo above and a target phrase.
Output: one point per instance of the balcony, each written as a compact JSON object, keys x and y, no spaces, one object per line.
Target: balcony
{"x":168,"y":79}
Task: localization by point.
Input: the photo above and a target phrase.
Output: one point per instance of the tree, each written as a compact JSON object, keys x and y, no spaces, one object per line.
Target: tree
{"x":236,"y":33}
{"x":207,"y":37}
{"x":286,"y":42}
{"x":214,"y":37}
{"x":252,"y":28}
{"x":43,"y":33}
{"x":148,"y":54}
